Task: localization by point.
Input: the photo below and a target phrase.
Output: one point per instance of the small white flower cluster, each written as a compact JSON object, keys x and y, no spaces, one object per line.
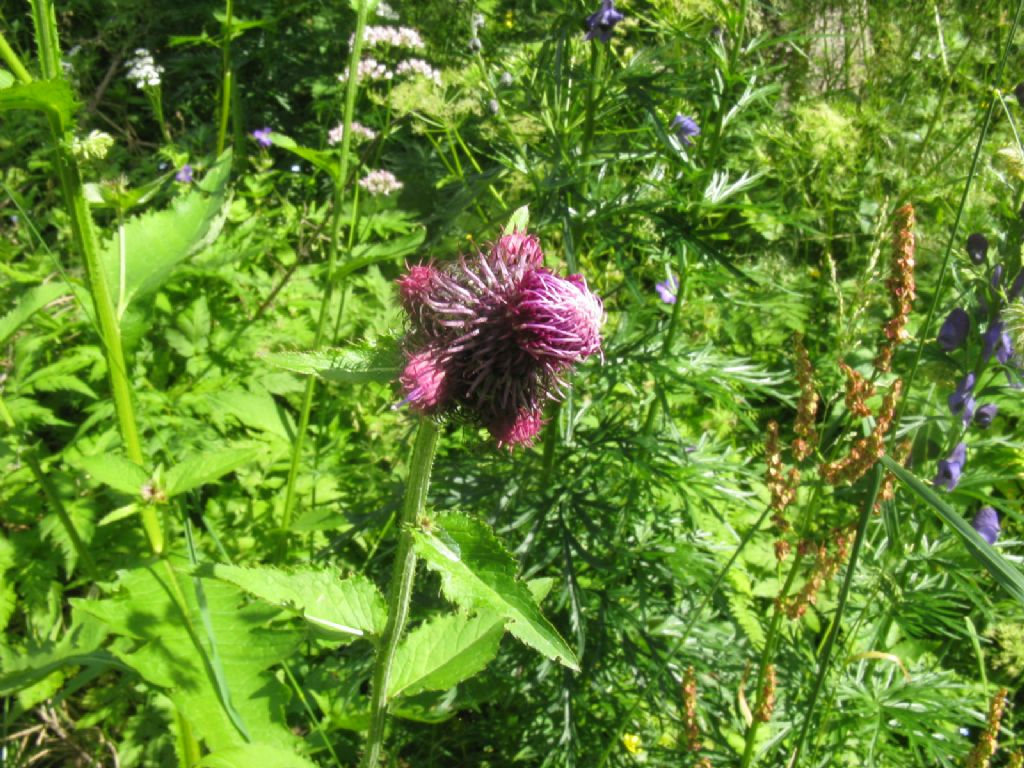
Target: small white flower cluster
{"x":418,"y":67}
{"x":143,"y":70}
{"x":396,"y":37}
{"x":359,"y":131}
{"x":380,"y":183}
{"x":477,"y":22}
{"x":369,"y":69}
{"x":385,"y":11}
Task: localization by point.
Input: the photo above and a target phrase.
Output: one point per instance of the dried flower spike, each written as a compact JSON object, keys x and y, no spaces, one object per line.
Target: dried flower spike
{"x":901,"y":287}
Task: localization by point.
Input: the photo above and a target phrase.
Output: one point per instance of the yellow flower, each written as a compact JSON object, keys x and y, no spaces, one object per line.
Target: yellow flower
{"x":631,"y":742}
{"x":508,"y":20}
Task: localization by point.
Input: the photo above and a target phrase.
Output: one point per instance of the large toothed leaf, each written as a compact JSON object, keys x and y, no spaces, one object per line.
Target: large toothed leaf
{"x":158,"y":241}
{"x":1005,"y":574}
{"x":479,"y":575}
{"x":51,"y":96}
{"x":208,"y":467}
{"x":262,"y":755}
{"x":349,"y":365}
{"x":443,"y":652}
{"x":155,"y":642}
{"x":351,"y":606}
{"x":30,"y":302}
{"x":113,"y":470}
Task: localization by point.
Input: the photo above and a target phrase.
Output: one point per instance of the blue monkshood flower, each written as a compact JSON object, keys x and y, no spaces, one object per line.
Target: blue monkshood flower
{"x":986,"y":523}
{"x":1017,"y":288}
{"x":601,"y":23}
{"x":954,"y":330}
{"x":951,"y":468}
{"x":997,"y":277}
{"x":262,"y":136}
{"x":996,"y":340}
{"x":184,"y":174}
{"x":961,"y":402}
{"x":977,"y":247}
{"x":685,"y":127}
{"x":985,"y":415}
{"x":667,"y":289}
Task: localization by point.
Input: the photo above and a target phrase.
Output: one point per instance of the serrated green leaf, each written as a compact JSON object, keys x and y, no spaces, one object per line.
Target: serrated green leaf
{"x":51,"y":96}
{"x":30,"y":302}
{"x":478,"y":574}
{"x":113,"y":470}
{"x":443,"y":652}
{"x":351,"y":365}
{"x":157,"y":242}
{"x":208,"y":467}
{"x":254,"y":409}
{"x":79,"y":646}
{"x":373,"y":253}
{"x":519,"y":221}
{"x":1005,"y":574}
{"x":156,"y":643}
{"x":263,"y":755}
{"x":352,"y":606}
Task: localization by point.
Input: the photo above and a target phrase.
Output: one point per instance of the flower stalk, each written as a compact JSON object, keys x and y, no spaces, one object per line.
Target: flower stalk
{"x":402,"y":576}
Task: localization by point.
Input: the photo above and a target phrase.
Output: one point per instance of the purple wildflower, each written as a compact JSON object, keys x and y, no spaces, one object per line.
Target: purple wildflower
{"x":997,"y":340}
{"x":667,"y":289}
{"x":262,"y":136}
{"x":997,"y":277}
{"x":492,"y":335}
{"x":184,"y":174}
{"x":961,"y":402}
{"x":1017,"y":288}
{"x":601,"y":23}
{"x":685,"y":127}
{"x":986,"y":523}
{"x":951,"y":468}
{"x":977,"y":247}
{"x":954,"y":330}
{"x":985,"y":415}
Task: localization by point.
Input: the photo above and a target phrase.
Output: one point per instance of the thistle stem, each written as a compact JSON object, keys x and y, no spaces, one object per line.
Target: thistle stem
{"x":400,"y":590}
{"x":227,"y":81}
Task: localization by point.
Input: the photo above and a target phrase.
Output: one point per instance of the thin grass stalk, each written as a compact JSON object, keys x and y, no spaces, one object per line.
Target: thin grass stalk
{"x":825,"y":657}
{"x":400,"y":591}
{"x":227,"y":78}
{"x":332,"y":257}
{"x":940,"y":283}
{"x":12,"y":61}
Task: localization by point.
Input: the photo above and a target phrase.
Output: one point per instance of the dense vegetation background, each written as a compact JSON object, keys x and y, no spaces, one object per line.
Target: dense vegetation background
{"x":195,"y":598}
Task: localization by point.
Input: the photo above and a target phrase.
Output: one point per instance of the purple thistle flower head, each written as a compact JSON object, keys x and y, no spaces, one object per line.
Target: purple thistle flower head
{"x":262,"y":136}
{"x":425,"y":381}
{"x":559,"y":319}
{"x":997,"y":341}
{"x":520,"y":430}
{"x":184,"y":174}
{"x":601,"y":23}
{"x":986,"y":523}
{"x":985,"y":415}
{"x":950,"y":468}
{"x":685,"y":127}
{"x":667,"y":289}
{"x":977,"y":247}
{"x":492,"y":334}
{"x":954,"y":330}
{"x":961,"y":402}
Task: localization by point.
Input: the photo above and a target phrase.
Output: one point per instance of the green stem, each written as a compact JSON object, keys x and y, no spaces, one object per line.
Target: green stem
{"x":332,"y":258}
{"x":84,"y":236}
{"x":825,"y":659}
{"x":227,"y":81}
{"x":12,"y":61}
{"x":400,"y":591}
{"x":188,"y":748}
